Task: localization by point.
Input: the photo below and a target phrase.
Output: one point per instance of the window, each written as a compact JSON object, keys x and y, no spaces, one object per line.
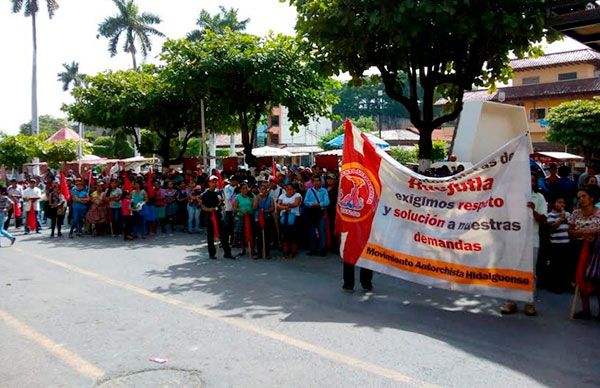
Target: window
{"x":531,"y":80}
{"x":537,"y":114}
{"x":274,"y":121}
{"x":567,"y":76}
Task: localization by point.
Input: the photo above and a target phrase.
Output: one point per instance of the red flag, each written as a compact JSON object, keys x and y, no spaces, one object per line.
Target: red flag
{"x":360,"y":189}
{"x":261,"y":219}
{"x":149,"y":185}
{"x":220,"y":182}
{"x":248,"y":230}
{"x":17,"y":210}
{"x":90,"y":181}
{"x":31,"y":218}
{"x":127,"y":186}
{"x":215,"y":223}
{"x":64,"y":188}
{"x":274,"y":169}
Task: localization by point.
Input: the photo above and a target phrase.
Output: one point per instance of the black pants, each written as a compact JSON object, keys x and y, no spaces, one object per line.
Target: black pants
{"x":57,"y":223}
{"x":258,"y":232}
{"x":223,"y":236}
{"x":366,"y":277}
{"x":229,"y":225}
{"x":18,"y":220}
{"x":127,"y":225}
{"x":560,"y":258}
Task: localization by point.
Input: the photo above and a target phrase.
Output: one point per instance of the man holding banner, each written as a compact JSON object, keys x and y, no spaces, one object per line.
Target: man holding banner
{"x":466,"y":232}
{"x":211,"y":207}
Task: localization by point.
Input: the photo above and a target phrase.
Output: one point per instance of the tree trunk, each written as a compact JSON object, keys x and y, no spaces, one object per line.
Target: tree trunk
{"x":213,"y":151}
{"x":165,"y":151}
{"x":132,"y":51}
{"x":425,"y":148}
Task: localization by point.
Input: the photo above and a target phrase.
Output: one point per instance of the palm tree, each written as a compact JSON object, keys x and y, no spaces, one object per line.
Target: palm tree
{"x":31,"y":8}
{"x":135,"y":26}
{"x":71,"y":74}
{"x":217,"y":23}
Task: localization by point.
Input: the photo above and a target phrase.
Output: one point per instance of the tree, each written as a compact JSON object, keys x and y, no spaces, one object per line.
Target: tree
{"x":125,"y":100}
{"x":134,"y":25}
{"x":70,"y":75}
{"x":439,"y":153}
{"x":442,"y":46}
{"x":245,"y":76}
{"x":226,"y":18}
{"x":113,"y":147}
{"x":576,"y":124}
{"x":48,"y":125}
{"x":31,"y":8}
{"x":19,"y":149}
{"x":58,"y":152}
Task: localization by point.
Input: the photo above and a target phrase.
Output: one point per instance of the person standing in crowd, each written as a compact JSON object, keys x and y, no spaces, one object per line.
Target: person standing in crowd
{"x":5,"y":204}
{"x":564,"y":188}
{"x":96,"y":215}
{"x":553,"y":177}
{"x":194,"y":206}
{"x":57,"y":208}
{"x":229,"y":193}
{"x":14,"y":193}
{"x":289,"y":210}
{"x":593,"y":169}
{"x":160,"y":207}
{"x":127,"y":215}
{"x":316,"y":202}
{"x":332,"y":191}
{"x":80,"y":198}
{"x":31,"y":203}
{"x":559,"y":254}
{"x":264,"y":206}
{"x":584,"y":226}
{"x":242,"y":208}
{"x":211,"y":206}
{"x":171,"y":202}
{"x":182,"y":201}
{"x":539,"y":209}
{"x":139,"y":198}
{"x":275,"y":190}
{"x":366,"y":278}
{"x":114,"y":198}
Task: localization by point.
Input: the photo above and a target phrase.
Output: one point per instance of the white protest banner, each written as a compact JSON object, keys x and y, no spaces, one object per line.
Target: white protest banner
{"x":470,"y":232}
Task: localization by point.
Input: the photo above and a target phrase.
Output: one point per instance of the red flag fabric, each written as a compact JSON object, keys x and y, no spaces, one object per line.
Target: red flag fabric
{"x":215,"y":224}
{"x":64,"y":188}
{"x":149,"y":185}
{"x":17,"y":210}
{"x":31,"y":218}
{"x":261,"y":219}
{"x":127,"y":186}
{"x":248,"y":230}
{"x":274,"y":169}
{"x":220,"y":181}
{"x":90,"y":181}
{"x":360,"y":189}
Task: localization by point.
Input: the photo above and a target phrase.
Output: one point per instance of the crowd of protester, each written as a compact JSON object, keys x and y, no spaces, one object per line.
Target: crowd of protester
{"x":288,"y":210}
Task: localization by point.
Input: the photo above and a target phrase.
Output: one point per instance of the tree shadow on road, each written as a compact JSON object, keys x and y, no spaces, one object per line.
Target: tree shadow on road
{"x":308,"y":290}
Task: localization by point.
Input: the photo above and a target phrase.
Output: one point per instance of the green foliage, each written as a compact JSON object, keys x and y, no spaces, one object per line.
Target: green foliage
{"x":113,"y":147}
{"x":226,"y":18}
{"x":135,"y":25}
{"x":48,"y":125}
{"x":445,"y":47}
{"x":32,"y":6}
{"x":362,"y":100}
{"x":365,"y":124}
{"x":59,"y":152}
{"x":439,"y":150}
{"x":19,"y":149}
{"x":70,"y":75}
{"x":404,"y":155}
{"x":244,"y":76}
{"x":576,"y":124}
{"x":193,"y":149}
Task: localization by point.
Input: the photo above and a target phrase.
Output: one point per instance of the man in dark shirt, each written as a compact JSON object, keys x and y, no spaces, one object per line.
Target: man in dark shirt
{"x":564,"y":188}
{"x":211,"y":203}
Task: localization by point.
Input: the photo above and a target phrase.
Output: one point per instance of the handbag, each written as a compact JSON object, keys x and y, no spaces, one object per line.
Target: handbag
{"x":592,"y":272}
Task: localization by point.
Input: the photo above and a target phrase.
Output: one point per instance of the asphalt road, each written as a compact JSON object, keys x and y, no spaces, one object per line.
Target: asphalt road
{"x":94,"y":311}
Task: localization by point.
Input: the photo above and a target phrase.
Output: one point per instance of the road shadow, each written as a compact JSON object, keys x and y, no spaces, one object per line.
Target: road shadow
{"x":308,"y":290}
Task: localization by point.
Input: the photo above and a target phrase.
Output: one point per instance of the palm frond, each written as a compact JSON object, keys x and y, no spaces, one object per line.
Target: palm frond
{"x":52,"y":7}
{"x":149,"y":18}
{"x":112,"y":45}
{"x":17,"y":5}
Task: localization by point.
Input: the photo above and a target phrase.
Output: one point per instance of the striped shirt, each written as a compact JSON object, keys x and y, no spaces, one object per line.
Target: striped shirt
{"x":5,"y":203}
{"x":559,"y":235}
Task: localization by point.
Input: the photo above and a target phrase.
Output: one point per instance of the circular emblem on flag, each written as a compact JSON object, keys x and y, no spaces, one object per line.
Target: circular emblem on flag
{"x":358,"y":194}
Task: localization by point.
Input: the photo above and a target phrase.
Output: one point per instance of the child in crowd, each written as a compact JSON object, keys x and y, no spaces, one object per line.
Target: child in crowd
{"x":560,"y":258}
{"x":127,"y":215}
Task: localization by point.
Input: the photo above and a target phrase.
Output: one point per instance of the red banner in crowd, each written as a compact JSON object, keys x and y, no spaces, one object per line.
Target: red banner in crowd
{"x":149,"y":185}
{"x":248,"y":231}
{"x":64,"y":188}
{"x":215,"y":224}
{"x":31,"y":218}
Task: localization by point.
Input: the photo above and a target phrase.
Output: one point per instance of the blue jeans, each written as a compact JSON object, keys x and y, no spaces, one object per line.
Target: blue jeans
{"x":312,"y":236}
{"x":139,"y":225}
{"x":193,"y":218}
{"x":4,"y":232}
{"x":79,"y":213}
{"x":115,"y":215}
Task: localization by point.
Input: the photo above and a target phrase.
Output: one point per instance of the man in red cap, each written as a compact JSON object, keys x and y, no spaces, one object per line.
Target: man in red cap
{"x":211,"y":206}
